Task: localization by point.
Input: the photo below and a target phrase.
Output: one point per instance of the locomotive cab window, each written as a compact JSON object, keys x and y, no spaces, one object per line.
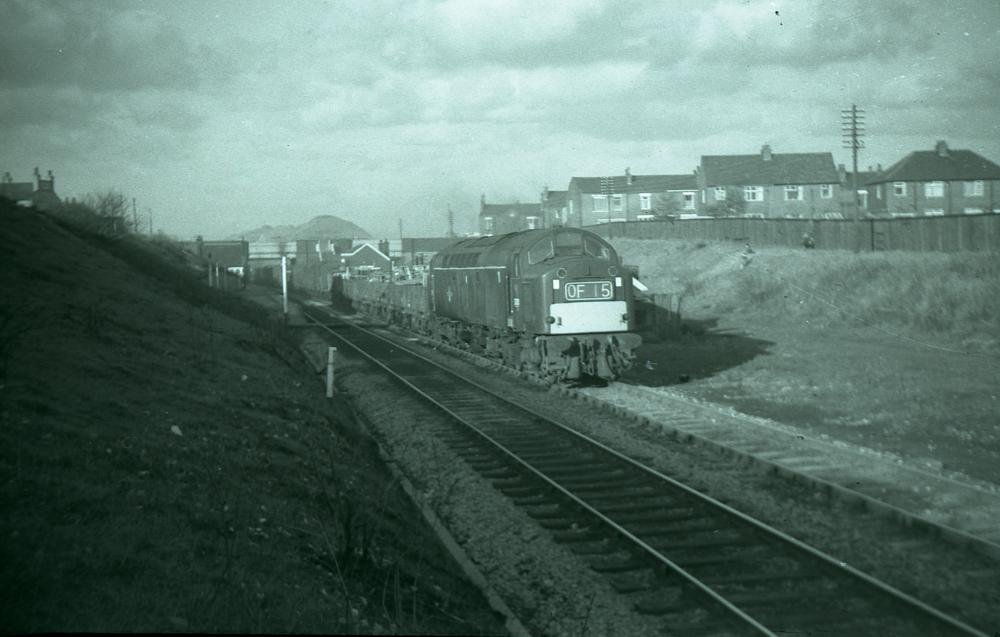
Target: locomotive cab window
{"x":569,"y":244}
{"x":541,"y":251}
{"x":595,"y":248}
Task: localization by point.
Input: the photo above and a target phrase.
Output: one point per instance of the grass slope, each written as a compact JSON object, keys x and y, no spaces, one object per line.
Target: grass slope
{"x":951,"y":297}
{"x":168,"y":463}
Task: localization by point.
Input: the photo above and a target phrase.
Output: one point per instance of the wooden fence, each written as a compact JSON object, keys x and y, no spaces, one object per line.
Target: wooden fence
{"x":951,"y":233}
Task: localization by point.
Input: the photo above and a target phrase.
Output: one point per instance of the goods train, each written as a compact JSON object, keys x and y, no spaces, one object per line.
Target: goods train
{"x":556,"y":302}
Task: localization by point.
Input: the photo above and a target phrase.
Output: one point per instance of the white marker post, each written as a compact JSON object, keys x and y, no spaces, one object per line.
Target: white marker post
{"x":284,"y":285}
{"x":330,"y":352}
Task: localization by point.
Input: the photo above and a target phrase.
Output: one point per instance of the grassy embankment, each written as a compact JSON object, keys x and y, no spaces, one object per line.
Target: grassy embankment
{"x":952,"y":297}
{"x":167,"y":462}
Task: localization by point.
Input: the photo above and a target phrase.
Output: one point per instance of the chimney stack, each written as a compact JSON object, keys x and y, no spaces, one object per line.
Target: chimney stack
{"x":941,"y":148}
{"x":628,"y":176}
{"x":765,"y":152}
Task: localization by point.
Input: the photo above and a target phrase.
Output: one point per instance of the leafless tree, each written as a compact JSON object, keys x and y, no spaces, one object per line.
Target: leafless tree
{"x":111,"y":208}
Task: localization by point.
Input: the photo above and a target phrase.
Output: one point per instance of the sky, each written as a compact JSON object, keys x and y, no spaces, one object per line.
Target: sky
{"x":221,"y":116}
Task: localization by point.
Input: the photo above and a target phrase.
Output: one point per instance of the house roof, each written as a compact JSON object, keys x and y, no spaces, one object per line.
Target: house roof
{"x":783,"y":168}
{"x":864,"y":177}
{"x":555,"y":197}
{"x":361,"y":248}
{"x":17,"y":190}
{"x":640,"y":183}
{"x":512,"y":209}
{"x":940,"y":165}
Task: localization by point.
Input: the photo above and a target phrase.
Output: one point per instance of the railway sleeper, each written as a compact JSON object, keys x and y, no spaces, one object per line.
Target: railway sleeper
{"x":649,"y":503}
{"x":565,"y":454}
{"x":658,"y":515}
{"x":561,"y":524}
{"x":697,"y":523}
{"x":631,"y":584}
{"x":496,"y":471}
{"x":619,"y":565}
{"x":708,"y":543}
{"x":511,"y":485}
{"x":540,"y":498}
{"x":604,"y":546}
{"x":752,"y":578}
{"x":602,"y":494}
{"x":559,"y":511}
{"x":587,"y":479}
{"x":583,"y":534}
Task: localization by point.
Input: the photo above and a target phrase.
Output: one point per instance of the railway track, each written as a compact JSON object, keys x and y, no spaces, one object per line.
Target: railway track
{"x":700,"y":565}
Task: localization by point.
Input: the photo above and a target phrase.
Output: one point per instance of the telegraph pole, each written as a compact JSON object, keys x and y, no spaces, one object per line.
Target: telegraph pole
{"x":135,"y":218}
{"x":451,"y":223}
{"x":852,"y":128}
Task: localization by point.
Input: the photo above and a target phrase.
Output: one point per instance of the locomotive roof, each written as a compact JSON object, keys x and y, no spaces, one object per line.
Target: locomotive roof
{"x":495,"y":249}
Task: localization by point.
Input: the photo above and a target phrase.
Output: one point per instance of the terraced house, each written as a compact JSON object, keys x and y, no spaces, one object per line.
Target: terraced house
{"x":936,"y":182}
{"x":501,"y":218}
{"x":628,"y":197}
{"x":796,"y":185}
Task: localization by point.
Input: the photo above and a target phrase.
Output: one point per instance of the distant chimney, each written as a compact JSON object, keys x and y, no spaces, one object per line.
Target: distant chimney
{"x":841,"y":173}
{"x":941,"y":148}
{"x":765,"y":152}
{"x":878,"y":167}
{"x":7,"y":179}
{"x":628,"y":176}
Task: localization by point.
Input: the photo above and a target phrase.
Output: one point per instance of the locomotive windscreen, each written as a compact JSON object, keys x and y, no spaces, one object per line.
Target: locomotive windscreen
{"x":567,"y":244}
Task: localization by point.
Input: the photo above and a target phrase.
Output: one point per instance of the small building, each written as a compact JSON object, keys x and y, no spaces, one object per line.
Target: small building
{"x":40,"y":194}
{"x":628,"y":197}
{"x":365,"y":258}
{"x":555,"y":210}
{"x":501,"y":218}
{"x":768,"y":184}
{"x":936,"y":182}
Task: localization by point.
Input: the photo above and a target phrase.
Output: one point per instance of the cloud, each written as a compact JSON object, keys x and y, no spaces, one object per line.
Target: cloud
{"x":99,"y":46}
{"x":807,"y":33}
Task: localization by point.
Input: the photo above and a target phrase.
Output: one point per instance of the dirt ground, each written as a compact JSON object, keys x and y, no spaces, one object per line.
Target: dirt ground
{"x":928,"y":404}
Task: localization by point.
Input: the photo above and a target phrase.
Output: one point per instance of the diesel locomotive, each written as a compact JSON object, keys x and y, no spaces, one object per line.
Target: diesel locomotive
{"x":556,"y":302}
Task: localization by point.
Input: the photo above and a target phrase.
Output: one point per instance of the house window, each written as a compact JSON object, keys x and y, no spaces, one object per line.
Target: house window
{"x":532,"y":223}
{"x":934,"y":212}
{"x":826,"y":191}
{"x":878,"y":191}
{"x":899,"y":188}
{"x":487,"y":224}
{"x":600,"y":203}
{"x":689,"y":201}
{"x":972,"y":210}
{"x":616,"y":203}
{"x":753,"y":193}
{"x":934,"y":189}
{"x":645,"y":201}
{"x":571,"y":206}
{"x":972,"y":188}
{"x":863,"y":199}
{"x":720,"y":193}
{"x":793,"y":193}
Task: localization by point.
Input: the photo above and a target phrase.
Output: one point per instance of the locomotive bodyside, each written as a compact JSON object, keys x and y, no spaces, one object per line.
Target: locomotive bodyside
{"x":556,"y":294}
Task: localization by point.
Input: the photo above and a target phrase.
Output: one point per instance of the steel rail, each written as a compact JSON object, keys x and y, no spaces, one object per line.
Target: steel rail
{"x":738,"y":613}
